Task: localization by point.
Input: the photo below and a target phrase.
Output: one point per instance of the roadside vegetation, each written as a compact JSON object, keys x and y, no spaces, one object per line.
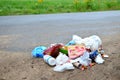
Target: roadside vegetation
{"x":20,"y":7}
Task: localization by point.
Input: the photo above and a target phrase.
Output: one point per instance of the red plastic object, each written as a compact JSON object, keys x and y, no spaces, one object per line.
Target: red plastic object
{"x":54,"y":50}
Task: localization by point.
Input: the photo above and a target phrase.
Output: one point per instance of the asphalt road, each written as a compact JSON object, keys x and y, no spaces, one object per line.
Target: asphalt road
{"x":23,"y":33}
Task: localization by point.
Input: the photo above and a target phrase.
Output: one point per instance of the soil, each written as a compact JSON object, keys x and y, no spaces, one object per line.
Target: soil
{"x":15,"y":65}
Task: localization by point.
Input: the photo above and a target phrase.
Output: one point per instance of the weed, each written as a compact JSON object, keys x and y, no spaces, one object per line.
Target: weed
{"x":19,"y":7}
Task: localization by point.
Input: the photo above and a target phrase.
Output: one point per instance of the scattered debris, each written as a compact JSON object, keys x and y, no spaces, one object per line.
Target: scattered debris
{"x":78,"y":52}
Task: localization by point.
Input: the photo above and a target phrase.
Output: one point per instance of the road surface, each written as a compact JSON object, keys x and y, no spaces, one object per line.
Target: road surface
{"x":23,"y":33}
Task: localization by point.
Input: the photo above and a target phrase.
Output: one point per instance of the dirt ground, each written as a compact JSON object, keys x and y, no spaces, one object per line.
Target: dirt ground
{"x":21,"y":66}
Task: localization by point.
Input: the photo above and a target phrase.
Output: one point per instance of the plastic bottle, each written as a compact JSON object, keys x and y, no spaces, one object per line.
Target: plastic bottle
{"x":64,"y":50}
{"x":53,"y":51}
{"x":50,"y":60}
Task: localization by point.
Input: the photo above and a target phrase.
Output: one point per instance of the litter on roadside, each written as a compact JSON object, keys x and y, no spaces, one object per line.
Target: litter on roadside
{"x":77,"y":53}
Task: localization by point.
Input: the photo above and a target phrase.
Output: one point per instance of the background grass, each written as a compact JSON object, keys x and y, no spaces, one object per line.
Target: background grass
{"x":19,"y":7}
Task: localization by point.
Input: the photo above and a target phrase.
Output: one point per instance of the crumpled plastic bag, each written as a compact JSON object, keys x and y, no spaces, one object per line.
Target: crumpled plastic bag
{"x":93,"y":42}
{"x":99,"y":59}
{"x":61,"y":59}
{"x":84,"y":59}
{"x":96,"y":42}
{"x":96,"y":56}
{"x":65,"y":66}
{"x":62,"y":63}
{"x":38,"y":51}
{"x":77,"y":39}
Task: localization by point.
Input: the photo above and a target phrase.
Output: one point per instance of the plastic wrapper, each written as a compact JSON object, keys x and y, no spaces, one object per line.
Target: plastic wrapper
{"x":76,"y":51}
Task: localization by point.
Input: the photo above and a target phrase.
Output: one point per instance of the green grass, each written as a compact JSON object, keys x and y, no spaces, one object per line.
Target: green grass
{"x":20,"y":7}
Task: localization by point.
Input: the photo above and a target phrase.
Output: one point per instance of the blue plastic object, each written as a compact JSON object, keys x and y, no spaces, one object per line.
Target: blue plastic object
{"x":72,"y":42}
{"x":38,"y":51}
{"x":94,"y":54}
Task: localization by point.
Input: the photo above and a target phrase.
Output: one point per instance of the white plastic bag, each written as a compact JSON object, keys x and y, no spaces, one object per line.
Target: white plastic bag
{"x":77,"y":39}
{"x":96,"y":44}
{"x":88,"y":42}
{"x":84,"y":59}
{"x":61,"y":59}
{"x":99,"y":59}
{"x":93,"y":42}
{"x":62,"y":63}
{"x":65,"y":66}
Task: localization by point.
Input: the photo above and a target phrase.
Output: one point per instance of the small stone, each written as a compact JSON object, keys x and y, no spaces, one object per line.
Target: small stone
{"x":2,"y":78}
{"x":24,"y":78}
{"x":44,"y":78}
{"x":32,"y":66}
{"x":114,"y":53}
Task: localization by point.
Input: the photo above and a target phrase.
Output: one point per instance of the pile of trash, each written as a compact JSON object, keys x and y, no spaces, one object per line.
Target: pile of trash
{"x":77,"y":53}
